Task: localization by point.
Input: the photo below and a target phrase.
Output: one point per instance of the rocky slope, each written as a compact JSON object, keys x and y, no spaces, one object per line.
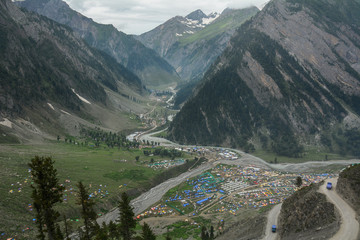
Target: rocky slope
{"x":289,"y":74}
{"x":308,"y":215}
{"x":192,"y":43}
{"x":144,"y":62}
{"x":46,"y":73}
{"x":348,"y":186}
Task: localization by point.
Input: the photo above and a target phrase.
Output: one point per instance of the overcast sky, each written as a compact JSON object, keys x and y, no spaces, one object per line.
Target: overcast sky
{"x":139,"y":16}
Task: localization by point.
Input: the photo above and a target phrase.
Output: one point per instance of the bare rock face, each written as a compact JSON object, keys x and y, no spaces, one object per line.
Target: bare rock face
{"x":307,"y":214}
{"x":312,"y":43}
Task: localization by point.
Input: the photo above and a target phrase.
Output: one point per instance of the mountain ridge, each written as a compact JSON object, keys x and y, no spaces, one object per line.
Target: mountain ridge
{"x":192,"y":46}
{"x":270,"y":89}
{"x":144,"y":62}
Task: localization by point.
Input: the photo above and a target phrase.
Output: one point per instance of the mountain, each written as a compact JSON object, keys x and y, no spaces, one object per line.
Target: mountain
{"x":289,"y":77}
{"x":164,"y":36}
{"x":192,"y":43}
{"x":48,"y":74}
{"x":144,"y":62}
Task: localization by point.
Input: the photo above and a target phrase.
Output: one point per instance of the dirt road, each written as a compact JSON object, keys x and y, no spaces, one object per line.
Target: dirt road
{"x":272,"y":220}
{"x":349,"y":228}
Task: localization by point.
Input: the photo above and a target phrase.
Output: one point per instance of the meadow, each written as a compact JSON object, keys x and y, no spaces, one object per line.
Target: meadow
{"x":105,"y":171}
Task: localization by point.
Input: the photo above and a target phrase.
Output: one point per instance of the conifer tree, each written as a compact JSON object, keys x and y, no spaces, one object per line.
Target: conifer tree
{"x":87,"y":210}
{"x":298,"y":181}
{"x":59,"y":234}
{"x":204,"y":235}
{"x":46,"y":193}
{"x":113,"y":231}
{"x":147,"y":233}
{"x":212,"y":235}
{"x":126,"y":218}
{"x":101,"y":232}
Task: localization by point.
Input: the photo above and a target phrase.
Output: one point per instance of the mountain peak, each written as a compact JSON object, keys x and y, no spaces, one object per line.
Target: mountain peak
{"x":196,"y":15}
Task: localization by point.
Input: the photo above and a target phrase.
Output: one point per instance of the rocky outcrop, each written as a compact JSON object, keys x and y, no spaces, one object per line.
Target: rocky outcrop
{"x":348,"y":186}
{"x":307,"y":215}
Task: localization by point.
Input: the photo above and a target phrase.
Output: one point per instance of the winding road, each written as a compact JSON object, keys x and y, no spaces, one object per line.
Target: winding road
{"x":349,"y":228}
{"x":272,"y":220}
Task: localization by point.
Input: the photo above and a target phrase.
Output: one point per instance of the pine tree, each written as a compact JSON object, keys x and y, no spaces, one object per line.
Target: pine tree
{"x":101,"y":232}
{"x":147,"y":233}
{"x":126,"y":218}
{"x":87,"y":210}
{"x":204,"y":234}
{"x":212,"y":235}
{"x":298,"y":181}
{"x":46,"y":193}
{"x":59,"y":235}
{"x":113,"y":231}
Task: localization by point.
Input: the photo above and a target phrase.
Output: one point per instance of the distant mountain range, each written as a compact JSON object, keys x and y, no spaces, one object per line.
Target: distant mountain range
{"x":192,"y":43}
{"x":290,"y":76}
{"x":144,"y":62}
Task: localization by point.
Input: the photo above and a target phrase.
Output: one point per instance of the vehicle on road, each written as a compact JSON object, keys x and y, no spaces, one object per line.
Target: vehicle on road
{"x":273,"y":228}
{"x":329,"y":185}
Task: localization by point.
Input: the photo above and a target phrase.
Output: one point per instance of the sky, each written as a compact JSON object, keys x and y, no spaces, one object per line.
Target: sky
{"x":139,"y":16}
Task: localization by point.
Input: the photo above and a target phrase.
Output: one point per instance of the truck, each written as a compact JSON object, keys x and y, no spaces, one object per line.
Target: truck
{"x":273,"y":228}
{"x":329,"y":185}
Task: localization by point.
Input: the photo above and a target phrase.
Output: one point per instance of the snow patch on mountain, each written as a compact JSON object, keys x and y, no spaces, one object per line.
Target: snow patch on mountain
{"x":191,"y":23}
{"x":80,"y":97}
{"x":6,"y":123}
{"x":65,"y":112}
{"x":210,"y":18}
{"x":51,"y":106}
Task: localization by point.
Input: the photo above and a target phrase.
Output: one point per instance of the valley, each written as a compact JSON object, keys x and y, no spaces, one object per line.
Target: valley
{"x":219,"y":124}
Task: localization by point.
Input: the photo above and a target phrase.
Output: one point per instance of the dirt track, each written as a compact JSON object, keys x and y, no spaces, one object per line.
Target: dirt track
{"x":272,"y":220}
{"x":349,"y":228}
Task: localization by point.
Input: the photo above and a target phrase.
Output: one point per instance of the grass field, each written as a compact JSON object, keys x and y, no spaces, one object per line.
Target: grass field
{"x":106,"y":172}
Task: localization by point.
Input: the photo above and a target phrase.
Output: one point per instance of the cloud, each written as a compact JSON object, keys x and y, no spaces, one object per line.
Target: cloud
{"x":139,"y":16}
